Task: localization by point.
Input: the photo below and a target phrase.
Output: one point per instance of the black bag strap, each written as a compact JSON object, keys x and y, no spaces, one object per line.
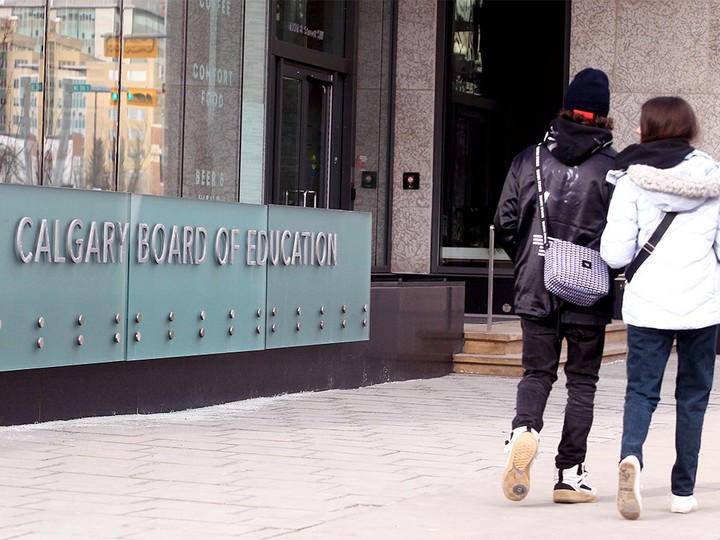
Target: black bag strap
{"x":649,"y":246}
{"x":541,"y":198}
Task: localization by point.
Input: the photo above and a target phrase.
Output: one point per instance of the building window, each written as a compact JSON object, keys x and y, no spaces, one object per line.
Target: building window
{"x":213,"y":79}
{"x":140,"y":112}
{"x":489,"y":115}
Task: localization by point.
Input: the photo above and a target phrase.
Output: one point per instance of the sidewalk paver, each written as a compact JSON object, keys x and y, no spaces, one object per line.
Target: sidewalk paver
{"x":408,"y":460}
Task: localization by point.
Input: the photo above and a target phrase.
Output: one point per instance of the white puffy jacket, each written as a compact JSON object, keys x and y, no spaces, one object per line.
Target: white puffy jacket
{"x":678,"y":285}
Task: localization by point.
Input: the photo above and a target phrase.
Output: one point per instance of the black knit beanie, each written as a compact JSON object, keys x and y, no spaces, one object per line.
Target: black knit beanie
{"x":589,"y":91}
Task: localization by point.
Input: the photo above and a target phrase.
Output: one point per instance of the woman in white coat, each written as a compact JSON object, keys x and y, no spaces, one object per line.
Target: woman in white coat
{"x":674,"y":296}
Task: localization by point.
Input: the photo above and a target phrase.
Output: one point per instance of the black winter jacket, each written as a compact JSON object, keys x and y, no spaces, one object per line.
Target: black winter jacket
{"x":574,"y":161}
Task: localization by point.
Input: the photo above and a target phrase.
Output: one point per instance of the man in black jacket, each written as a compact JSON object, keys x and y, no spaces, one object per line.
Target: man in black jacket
{"x":575,"y":156}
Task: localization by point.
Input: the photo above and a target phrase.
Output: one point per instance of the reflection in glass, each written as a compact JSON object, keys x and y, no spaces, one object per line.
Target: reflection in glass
{"x":22,"y":32}
{"x":465,"y":217}
{"x":467,"y":62}
{"x":473,"y":141}
{"x":81,"y":104}
{"x":140,"y":140}
{"x":83,"y":98}
{"x":315,"y":24}
{"x":213,"y":75}
{"x":290,"y":140}
{"x":316,"y":145}
{"x":304,"y":123}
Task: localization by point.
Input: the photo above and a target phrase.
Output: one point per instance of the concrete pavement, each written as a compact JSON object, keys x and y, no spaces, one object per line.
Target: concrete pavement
{"x":409,"y":460}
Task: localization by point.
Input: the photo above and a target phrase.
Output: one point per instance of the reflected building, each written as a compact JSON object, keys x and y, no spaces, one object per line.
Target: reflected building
{"x":72,"y":111}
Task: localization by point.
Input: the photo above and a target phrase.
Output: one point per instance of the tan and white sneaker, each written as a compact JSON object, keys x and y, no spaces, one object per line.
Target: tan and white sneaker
{"x":629,"y":501}
{"x":571,"y":486}
{"x":522,"y":448}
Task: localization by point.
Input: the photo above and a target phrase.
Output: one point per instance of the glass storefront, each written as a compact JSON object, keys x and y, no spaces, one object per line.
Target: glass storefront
{"x":143,"y":96}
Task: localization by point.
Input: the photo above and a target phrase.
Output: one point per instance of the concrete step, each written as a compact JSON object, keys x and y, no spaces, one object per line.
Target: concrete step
{"x":499,"y":351}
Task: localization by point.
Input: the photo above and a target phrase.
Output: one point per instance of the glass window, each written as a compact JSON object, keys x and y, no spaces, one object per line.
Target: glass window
{"x":254,"y":90}
{"x":213,"y":75}
{"x":21,"y":74}
{"x":467,"y":66}
{"x":79,"y":79}
{"x":314,"y":24}
{"x":484,"y":125}
{"x":126,"y":96}
{"x":467,"y":211}
{"x":142,"y":72}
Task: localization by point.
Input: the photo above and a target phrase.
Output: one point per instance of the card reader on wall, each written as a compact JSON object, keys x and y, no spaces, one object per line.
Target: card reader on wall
{"x":411,"y":180}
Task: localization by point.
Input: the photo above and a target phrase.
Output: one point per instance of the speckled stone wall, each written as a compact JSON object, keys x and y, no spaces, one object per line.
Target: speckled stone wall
{"x":413,"y":137}
{"x":650,"y":48}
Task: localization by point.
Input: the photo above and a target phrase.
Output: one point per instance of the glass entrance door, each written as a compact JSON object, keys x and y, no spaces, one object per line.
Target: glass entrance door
{"x":302,"y":149}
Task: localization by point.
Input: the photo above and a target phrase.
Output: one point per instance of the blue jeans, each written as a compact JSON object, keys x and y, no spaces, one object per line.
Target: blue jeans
{"x":648,"y":352}
{"x":542,"y":341}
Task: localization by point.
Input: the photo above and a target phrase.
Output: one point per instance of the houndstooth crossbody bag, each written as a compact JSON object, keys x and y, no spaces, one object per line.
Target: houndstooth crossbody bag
{"x":574,"y":273}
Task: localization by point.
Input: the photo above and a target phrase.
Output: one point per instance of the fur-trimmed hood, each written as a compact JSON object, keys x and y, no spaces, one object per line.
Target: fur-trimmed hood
{"x":678,"y":189}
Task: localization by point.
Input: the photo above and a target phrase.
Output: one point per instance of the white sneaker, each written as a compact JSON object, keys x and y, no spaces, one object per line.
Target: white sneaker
{"x":522,"y":449}
{"x":571,"y":486}
{"x":629,"y":502}
{"x":683,"y":505}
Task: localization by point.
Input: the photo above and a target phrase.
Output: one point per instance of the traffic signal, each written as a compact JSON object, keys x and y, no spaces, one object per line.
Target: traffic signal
{"x":142,"y":97}
{"x":114,"y":95}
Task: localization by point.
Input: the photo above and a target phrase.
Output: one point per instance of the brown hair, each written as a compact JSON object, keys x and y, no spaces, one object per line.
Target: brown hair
{"x":596,"y":121}
{"x":668,"y":117}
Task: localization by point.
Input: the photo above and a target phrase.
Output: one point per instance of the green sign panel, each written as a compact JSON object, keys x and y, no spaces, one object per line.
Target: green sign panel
{"x":91,"y":277}
{"x":318,"y":277}
{"x":36,"y":87}
{"x":64,"y":272}
{"x":191,"y":291}
{"x":80,"y":87}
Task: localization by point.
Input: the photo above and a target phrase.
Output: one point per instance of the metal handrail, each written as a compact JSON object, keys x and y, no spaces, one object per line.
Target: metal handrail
{"x":491,"y":272}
